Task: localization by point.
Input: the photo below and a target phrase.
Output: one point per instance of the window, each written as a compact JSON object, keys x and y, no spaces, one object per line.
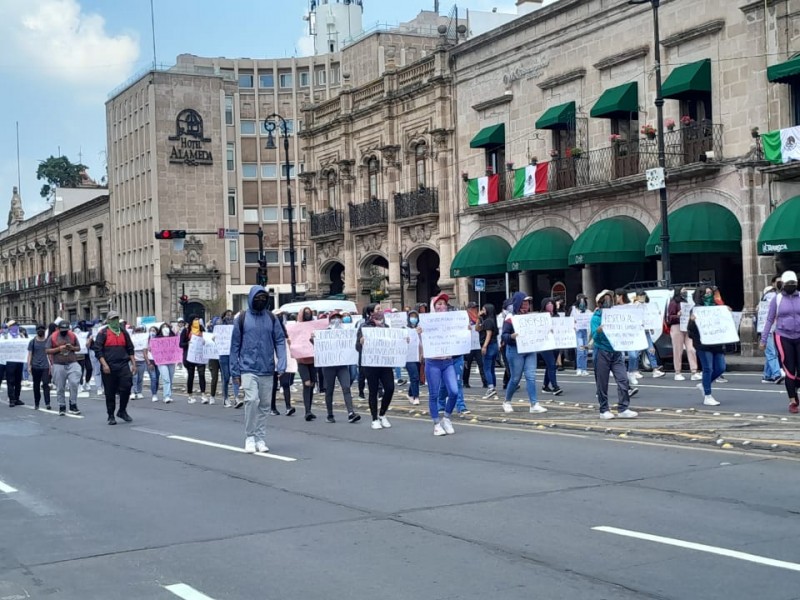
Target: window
{"x":251,"y":257}
{"x":266,"y":80}
{"x":84,"y":258}
{"x":269,"y":171}
{"x":373,"y":168}
{"x":278,"y":127}
{"x":321,"y":77}
{"x":228,"y":110}
{"x":271,"y":256}
{"x":249,"y":170}
{"x":232,"y":202}
{"x":287,"y":257}
{"x":231,"y":157}
{"x":419,"y":163}
{"x":248,"y":127}
{"x":283,"y":170}
{"x":286,"y":80}
{"x":303,"y":78}
{"x":245,"y":80}
{"x":332,"y":189}
{"x":301,"y":211}
{"x":334,"y":75}
{"x":250,"y":215}
{"x":233,"y":246}
{"x":270,"y":214}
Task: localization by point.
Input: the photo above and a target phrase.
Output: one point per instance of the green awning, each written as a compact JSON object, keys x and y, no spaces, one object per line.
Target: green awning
{"x":784,"y":72}
{"x":543,"y":250}
{"x":702,"y":227}
{"x":688,"y":80}
{"x":781,"y":231}
{"x":612,"y":240}
{"x":483,"y":256}
{"x":558,"y":117}
{"x":618,"y":102}
{"x":490,"y":136}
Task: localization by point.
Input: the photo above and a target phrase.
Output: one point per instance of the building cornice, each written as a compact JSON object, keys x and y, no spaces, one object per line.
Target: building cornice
{"x":561,"y":79}
{"x":491,"y":103}
{"x":621,"y":57}
{"x":708,"y":28}
{"x":757,"y":4}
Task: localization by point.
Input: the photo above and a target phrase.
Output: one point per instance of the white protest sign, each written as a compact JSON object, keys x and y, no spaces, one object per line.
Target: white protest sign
{"x":582,"y":319}
{"x":686,"y":309}
{"x":335,"y":347}
{"x":398,"y":319}
{"x":737,"y":319}
{"x":716,"y":325}
{"x":13,"y":350}
{"x":653,"y":318}
{"x":222,"y":337}
{"x":445,"y":333}
{"x":763,"y":310}
{"x":139,"y":341}
{"x":475,"y":338}
{"x":195,"y":351}
{"x":534,"y":332}
{"x":384,"y":347}
{"x":210,"y":351}
{"x":623,"y":327}
{"x":82,"y":337}
{"x":564,"y":332}
{"x":413,"y":346}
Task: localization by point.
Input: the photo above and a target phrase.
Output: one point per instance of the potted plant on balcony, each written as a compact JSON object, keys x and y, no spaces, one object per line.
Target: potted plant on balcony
{"x":687,"y":121}
{"x":575,"y":152}
{"x":670,"y":124}
{"x":617,"y":143}
{"x":464,"y":176}
{"x":648,"y":131}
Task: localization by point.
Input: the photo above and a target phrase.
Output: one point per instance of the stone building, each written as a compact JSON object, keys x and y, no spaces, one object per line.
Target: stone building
{"x":572,"y":85}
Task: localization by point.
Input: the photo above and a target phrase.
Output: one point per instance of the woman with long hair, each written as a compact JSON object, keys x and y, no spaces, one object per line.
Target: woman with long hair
{"x":550,"y":383}
{"x":489,"y":336}
{"x":305,"y":367}
{"x":581,"y":306}
{"x":680,"y":339}
{"x":784,"y":312}
{"x":712,"y":357}
{"x":166,"y":372}
{"x":376,"y":376}
{"x":193,"y":329}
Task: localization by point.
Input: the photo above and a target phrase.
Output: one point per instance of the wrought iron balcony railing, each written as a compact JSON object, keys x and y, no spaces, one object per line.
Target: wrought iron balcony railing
{"x":327,"y":223}
{"x":369,"y":213}
{"x":423,"y":201}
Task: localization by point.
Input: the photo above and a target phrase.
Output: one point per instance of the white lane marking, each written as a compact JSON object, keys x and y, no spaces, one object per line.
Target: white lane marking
{"x":722,"y":387}
{"x":230,"y":448}
{"x":186,"y":592}
{"x":53,"y":412}
{"x":7,"y":489}
{"x":754,"y":558}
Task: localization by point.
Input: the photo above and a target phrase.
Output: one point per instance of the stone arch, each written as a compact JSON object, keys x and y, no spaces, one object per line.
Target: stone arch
{"x":413,"y":253}
{"x":367,"y":260}
{"x":411,"y":146}
{"x":711,"y":195}
{"x":555,"y":221}
{"x":494,"y":229}
{"x":627,"y":209}
{"x":326,"y":266}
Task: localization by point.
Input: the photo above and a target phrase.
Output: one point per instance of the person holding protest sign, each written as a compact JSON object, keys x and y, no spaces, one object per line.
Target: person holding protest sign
{"x":139,"y":344}
{"x":711,"y":356}
{"x":475,"y":354}
{"x":784,"y":312}
{"x":195,"y":329}
{"x":225,"y":366}
{"x":39,"y":367}
{"x":441,"y":372}
{"x":376,"y":376}
{"x":412,"y":367}
{"x":550,"y":383}
{"x":338,"y":372}
{"x":62,"y":347}
{"x":488,"y":336}
{"x":115,"y":353}
{"x":14,"y":369}
{"x":652,"y":357}
{"x":152,"y":368}
{"x":608,"y":361}
{"x":680,"y":339}
{"x":772,"y":365}
{"x":305,"y":367}
{"x":581,"y":307}
{"x":166,"y":371}
{"x":520,"y":363}
{"x":621,"y":299}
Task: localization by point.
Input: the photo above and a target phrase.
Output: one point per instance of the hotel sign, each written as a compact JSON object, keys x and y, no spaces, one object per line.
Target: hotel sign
{"x":189,"y":146}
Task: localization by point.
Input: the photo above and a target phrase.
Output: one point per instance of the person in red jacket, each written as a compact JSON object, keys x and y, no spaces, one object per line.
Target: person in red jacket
{"x":114,"y":350}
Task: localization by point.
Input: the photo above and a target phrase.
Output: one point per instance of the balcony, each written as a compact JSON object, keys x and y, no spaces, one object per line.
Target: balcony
{"x":328,"y":223}
{"x":424,"y":201}
{"x":79,"y":279}
{"x":368,"y":214}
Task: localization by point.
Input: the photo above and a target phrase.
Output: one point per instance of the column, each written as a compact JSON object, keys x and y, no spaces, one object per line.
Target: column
{"x":587,"y":281}
{"x":527,"y":282}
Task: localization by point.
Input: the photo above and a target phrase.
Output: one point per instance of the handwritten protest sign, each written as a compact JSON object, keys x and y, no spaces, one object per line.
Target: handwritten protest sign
{"x":582,"y":319}
{"x":413,"y":346}
{"x":300,"y":336}
{"x":82,"y":337}
{"x":13,"y":350}
{"x":165,"y":350}
{"x":623,"y":328}
{"x":716,"y":325}
{"x":763,"y":310}
{"x":384,"y":347}
{"x":653,"y":318}
{"x":210,"y":351}
{"x":534,"y":332}
{"x":195,"y":352}
{"x":222,"y":337}
{"x":334,"y":347}
{"x":139,"y":341}
{"x":737,"y":319}
{"x":445,"y":333}
{"x":564,"y":332}
{"x":475,"y":338}
{"x":398,"y":319}
{"x":686,"y":309}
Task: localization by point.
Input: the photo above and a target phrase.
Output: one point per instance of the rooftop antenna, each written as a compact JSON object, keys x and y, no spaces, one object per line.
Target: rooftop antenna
{"x":153,"y":31}
{"x":19,"y":178}
{"x":436,"y":6}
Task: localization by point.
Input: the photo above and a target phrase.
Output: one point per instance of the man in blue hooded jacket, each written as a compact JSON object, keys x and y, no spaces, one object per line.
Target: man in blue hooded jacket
{"x":256,"y":340}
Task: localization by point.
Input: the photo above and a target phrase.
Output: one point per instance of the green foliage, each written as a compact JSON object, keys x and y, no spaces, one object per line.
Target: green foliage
{"x":59,"y":172}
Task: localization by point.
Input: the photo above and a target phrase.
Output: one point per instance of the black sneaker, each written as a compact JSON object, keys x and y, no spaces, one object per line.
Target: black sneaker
{"x":124,"y":416}
{"x":18,"y":402}
{"x":35,"y":407}
{"x":112,"y":421}
{"x":330,"y":419}
{"x":466,"y":385}
{"x":239,"y":403}
{"x":274,"y":412}
{"x":353,"y":418}
{"x":62,"y":410}
{"x":547,"y":389}
{"x":290,"y":411}
{"x":557,"y":391}
{"x":310,"y":417}
{"x":361,"y":395}
{"x":633,"y":392}
{"x":47,"y":407}
{"x":73,"y":409}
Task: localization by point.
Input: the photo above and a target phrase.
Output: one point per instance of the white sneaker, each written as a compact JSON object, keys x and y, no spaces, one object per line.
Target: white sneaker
{"x":628,"y":414}
{"x":376,"y":424}
{"x":632,"y":380}
{"x":415,"y":401}
{"x":228,"y":403}
{"x":261,"y":446}
{"x":699,"y":386}
{"x":658,"y":373}
{"x":211,"y":400}
{"x":637,"y":374}
{"x":167,"y":400}
{"x":709,"y":401}
{"x":679,"y":377}
{"x":537,"y":408}
{"x":250,"y":445}
{"x":448,"y":426}
{"x":294,"y":389}
{"x":608,"y":415}
{"x":100,"y":392}
{"x":438,"y":430}
{"x":720,"y":380}
{"x":696,"y":377}
{"x":193,"y":400}
{"x":154,"y":398}
{"x":203,"y":399}
{"x":491,"y":392}
{"x":385,"y":422}
{"x":507,"y":407}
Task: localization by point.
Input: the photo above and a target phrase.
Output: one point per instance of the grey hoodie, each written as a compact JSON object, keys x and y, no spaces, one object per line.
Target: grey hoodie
{"x":262,"y":340}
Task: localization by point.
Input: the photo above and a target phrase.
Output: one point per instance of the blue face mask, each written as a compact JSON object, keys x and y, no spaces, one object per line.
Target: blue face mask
{"x":347,"y":320}
{"x":413,"y":321}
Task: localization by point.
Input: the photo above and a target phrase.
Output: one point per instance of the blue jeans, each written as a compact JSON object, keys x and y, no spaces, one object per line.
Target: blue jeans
{"x":633,"y":361}
{"x":138,"y":379}
{"x":713,"y":364}
{"x":152,"y":372}
{"x":166,"y":373}
{"x":398,"y":373}
{"x":438,"y":372}
{"x":225,"y":367}
{"x":582,"y":354}
{"x":772,"y":366}
{"x":413,"y":379}
{"x":488,"y":364}
{"x":651,"y":355}
{"x":550,"y":368}
{"x":520,"y":364}
{"x":353,"y":374}
{"x":458,"y":366}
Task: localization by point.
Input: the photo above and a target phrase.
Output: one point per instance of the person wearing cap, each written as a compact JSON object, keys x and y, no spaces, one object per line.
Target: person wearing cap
{"x":784,"y":312}
{"x":520,"y":363}
{"x":14,"y":369}
{"x":772,"y":364}
{"x":376,"y":376}
{"x":62,"y":347}
{"x":340,"y":373}
{"x":608,"y":361}
{"x":114,"y":349}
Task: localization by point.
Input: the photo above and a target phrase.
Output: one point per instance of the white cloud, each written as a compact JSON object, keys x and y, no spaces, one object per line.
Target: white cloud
{"x":305,"y":45}
{"x":57,"y":40}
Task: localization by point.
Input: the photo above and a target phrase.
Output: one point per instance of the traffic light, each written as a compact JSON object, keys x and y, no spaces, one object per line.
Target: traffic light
{"x":261,"y":276}
{"x":184,"y":300}
{"x":171,"y":234}
{"x":405,"y":270}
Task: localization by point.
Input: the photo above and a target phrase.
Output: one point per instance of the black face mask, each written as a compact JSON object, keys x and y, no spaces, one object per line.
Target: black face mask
{"x":790,"y":288}
{"x":259,"y":303}
{"x":778,"y":285}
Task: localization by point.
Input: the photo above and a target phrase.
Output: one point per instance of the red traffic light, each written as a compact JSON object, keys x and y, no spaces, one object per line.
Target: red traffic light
{"x":171,"y":234}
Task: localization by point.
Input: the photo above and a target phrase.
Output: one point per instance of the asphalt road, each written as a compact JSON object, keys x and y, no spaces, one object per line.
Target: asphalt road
{"x":147,"y":511}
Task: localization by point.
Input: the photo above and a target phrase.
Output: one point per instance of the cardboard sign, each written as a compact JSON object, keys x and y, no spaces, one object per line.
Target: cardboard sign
{"x":413,"y":346}
{"x":686,"y":309}
{"x":763,"y":311}
{"x":624,"y":329}
{"x":222,"y":337}
{"x":335,"y":347}
{"x":534,"y":332}
{"x":445,"y":333}
{"x":398,"y":319}
{"x":14,"y":350}
{"x":165,"y":350}
{"x":384,"y":347}
{"x":564,"y":332}
{"x":139,"y":341}
{"x":300,"y":344}
{"x":195,"y":353}
{"x":210,"y":351}
{"x":582,"y":319}
{"x":716,"y":325}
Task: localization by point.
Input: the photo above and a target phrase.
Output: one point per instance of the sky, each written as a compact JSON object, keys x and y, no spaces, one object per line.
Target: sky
{"x":59,"y":59}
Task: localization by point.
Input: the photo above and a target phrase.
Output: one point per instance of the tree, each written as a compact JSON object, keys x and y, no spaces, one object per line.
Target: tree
{"x":59,"y":172}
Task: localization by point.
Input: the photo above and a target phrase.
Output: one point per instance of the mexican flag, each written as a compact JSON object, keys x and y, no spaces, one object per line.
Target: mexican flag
{"x":782,"y":146}
{"x":530,"y":180}
{"x":483,"y":190}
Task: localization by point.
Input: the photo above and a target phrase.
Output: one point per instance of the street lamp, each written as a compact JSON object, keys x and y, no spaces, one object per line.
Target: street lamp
{"x":662,"y":159}
{"x":269,"y":127}
{"x":405,"y":274}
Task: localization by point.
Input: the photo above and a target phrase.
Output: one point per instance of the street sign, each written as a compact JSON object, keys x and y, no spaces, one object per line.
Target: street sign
{"x":480,"y":285}
{"x":227,"y":234}
{"x":655,"y":179}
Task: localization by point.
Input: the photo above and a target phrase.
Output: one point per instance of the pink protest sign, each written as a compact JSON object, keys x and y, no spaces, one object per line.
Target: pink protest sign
{"x":165,"y":350}
{"x":300,"y":337}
